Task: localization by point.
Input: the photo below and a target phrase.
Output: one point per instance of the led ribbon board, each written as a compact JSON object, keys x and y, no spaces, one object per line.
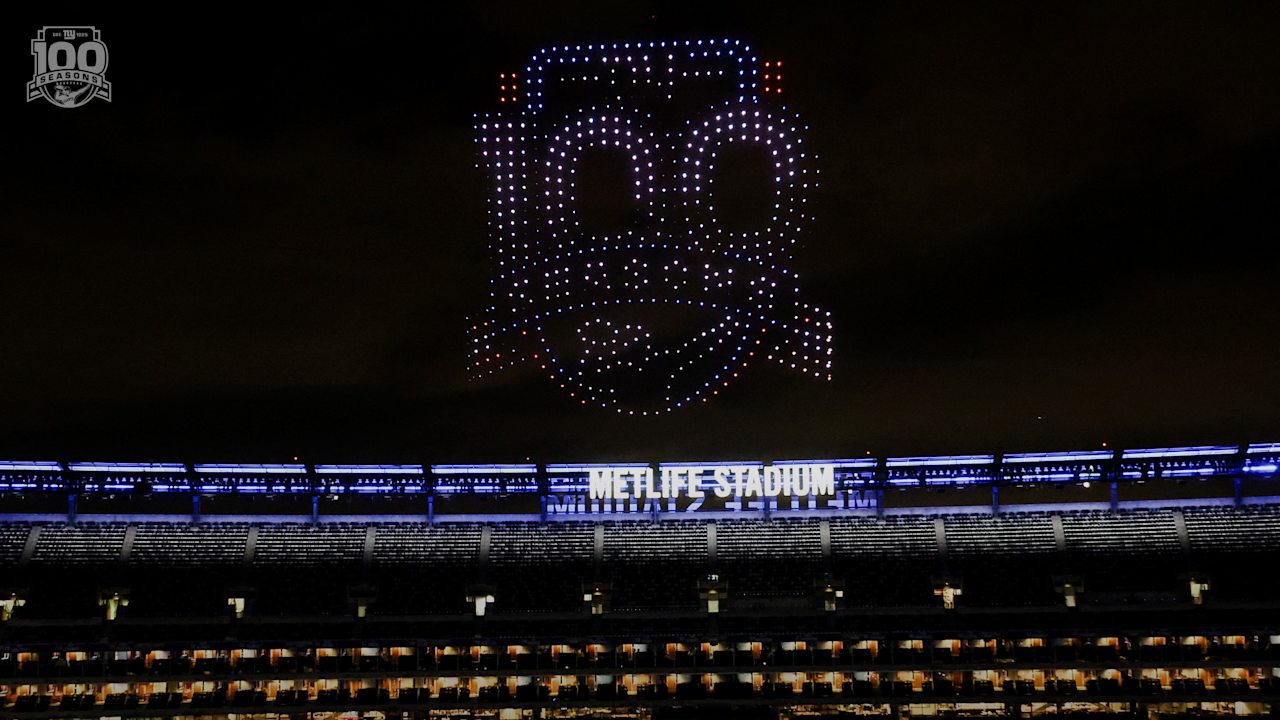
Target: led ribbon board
{"x":671,"y":309}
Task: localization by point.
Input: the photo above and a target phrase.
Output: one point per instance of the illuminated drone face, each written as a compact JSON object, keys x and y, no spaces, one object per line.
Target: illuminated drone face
{"x":667,"y":309}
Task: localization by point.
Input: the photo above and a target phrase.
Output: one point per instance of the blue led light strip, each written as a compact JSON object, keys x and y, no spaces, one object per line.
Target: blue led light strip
{"x":369,"y":470}
{"x":1206,"y":461}
{"x":252,"y":469}
{"x":103,"y":467}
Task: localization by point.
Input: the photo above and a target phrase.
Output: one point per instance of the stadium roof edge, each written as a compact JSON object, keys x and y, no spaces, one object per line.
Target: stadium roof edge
{"x":1018,"y":458}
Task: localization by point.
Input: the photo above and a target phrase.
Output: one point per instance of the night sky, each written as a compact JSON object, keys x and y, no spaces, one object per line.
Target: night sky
{"x":1041,"y":226}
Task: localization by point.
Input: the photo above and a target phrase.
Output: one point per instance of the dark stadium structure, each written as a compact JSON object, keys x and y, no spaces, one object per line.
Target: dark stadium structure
{"x":1112,"y":583}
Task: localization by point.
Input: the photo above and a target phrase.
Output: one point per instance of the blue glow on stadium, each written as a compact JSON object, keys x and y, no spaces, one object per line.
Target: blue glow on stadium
{"x":1056,"y":457}
{"x":237,"y":469}
{"x":1058,"y":477}
{"x":940,"y":461}
{"x":853,"y":475}
{"x":102,"y":467}
{"x":369,"y":470}
{"x":587,"y":467}
{"x":859,"y":463}
{"x":1202,"y":451}
{"x":723,"y":463}
{"x":20,"y":466}
{"x":483,"y":469}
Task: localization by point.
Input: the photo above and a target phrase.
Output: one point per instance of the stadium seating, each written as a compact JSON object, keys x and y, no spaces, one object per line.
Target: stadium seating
{"x":886,"y":641}
{"x":1010,"y":559}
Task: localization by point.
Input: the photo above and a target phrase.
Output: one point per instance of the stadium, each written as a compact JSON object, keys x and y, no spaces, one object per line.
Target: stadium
{"x":704,"y":283}
{"x":1102,"y":583}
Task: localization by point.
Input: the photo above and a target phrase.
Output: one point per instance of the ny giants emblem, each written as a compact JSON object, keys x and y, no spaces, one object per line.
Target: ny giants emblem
{"x":669,"y":310}
{"x":70,"y":62}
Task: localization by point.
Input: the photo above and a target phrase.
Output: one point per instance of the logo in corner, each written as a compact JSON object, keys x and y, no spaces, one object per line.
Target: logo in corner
{"x":70,"y":64}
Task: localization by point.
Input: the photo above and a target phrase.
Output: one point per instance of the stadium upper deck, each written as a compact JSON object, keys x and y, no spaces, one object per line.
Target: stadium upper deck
{"x":1114,"y":479}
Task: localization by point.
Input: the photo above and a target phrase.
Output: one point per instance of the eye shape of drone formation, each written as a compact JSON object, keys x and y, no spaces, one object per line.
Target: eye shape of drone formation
{"x":667,"y":309}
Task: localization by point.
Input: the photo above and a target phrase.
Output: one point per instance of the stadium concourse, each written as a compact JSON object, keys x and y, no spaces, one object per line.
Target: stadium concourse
{"x":1090,"y":584}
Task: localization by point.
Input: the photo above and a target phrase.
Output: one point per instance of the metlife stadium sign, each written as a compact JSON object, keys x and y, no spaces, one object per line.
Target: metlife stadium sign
{"x":679,"y":487}
{"x":622,"y":483}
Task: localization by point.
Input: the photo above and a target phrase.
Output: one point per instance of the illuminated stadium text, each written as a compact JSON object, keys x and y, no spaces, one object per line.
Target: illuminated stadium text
{"x":722,"y":481}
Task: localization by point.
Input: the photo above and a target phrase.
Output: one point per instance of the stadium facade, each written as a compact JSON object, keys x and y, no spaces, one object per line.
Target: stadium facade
{"x":1099,"y":583}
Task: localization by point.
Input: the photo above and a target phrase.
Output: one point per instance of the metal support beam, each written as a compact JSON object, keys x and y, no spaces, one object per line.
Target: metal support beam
{"x":251,"y":545}
{"x":940,"y":534}
{"x":126,"y":547}
{"x":1180,"y":525}
{"x":370,"y":541}
{"x":29,"y":549}
{"x":1059,"y":533}
{"x":711,"y":542}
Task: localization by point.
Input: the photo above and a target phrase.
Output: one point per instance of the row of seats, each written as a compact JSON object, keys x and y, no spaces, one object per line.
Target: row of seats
{"x":642,"y":542}
{"x":455,"y":544}
{"x":80,"y":544}
{"x":769,"y":559}
{"x":725,"y":689}
{"x":313,"y":544}
{"x":906,"y":535}
{"x":187,"y":544}
{"x":1099,"y":532}
{"x":51,"y":666}
{"x":1249,"y":528}
{"x":779,"y":539}
{"x":1011,"y":533}
{"x":517,"y":543}
{"x":420,"y":569}
{"x":645,"y":561}
{"x":13,"y":539}
{"x":1086,"y":532}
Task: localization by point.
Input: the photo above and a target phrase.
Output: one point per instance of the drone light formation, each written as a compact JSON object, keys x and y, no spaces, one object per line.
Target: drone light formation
{"x":671,"y":308}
